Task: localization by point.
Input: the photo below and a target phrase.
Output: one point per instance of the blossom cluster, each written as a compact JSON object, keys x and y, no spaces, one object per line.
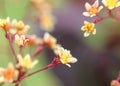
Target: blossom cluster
{"x":94,"y":10}
{"x":16,"y":33}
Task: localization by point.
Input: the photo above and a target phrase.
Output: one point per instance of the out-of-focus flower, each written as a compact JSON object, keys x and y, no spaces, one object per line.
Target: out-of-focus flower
{"x":9,"y":74}
{"x":33,"y":40}
{"x":65,"y":56}
{"x":21,"y":40}
{"x":49,"y":40}
{"x":115,"y":83}
{"x":5,"y":24}
{"x":47,"y":22}
{"x":20,"y":28}
{"x":46,"y":18}
{"x":111,"y":4}
{"x":26,"y":62}
{"x":88,"y":28}
{"x":92,"y":10}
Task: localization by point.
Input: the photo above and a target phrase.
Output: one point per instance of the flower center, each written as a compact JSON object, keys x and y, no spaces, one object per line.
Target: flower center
{"x":9,"y":74}
{"x":93,"y":10}
{"x":89,"y":28}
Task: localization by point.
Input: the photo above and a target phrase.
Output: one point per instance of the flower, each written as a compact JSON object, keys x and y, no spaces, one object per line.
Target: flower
{"x":92,"y":10}
{"x":20,"y":40}
{"x":115,"y":83}
{"x":5,"y":23}
{"x":88,"y":28}
{"x":49,"y":40}
{"x":66,"y":57}
{"x":26,"y":62}
{"x":9,"y":74}
{"x":32,"y":40}
{"x":47,"y":22}
{"x":110,"y":4}
{"x":21,"y":28}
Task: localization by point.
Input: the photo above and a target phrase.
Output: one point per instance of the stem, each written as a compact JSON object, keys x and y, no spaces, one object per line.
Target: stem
{"x":45,"y":68}
{"x":21,"y":50}
{"x":8,"y":36}
{"x":109,"y":12}
{"x":38,"y":50}
{"x":17,"y":84}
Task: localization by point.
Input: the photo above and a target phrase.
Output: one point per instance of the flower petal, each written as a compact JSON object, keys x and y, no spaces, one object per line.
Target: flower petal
{"x":100,"y":8}
{"x":87,"y":6}
{"x":95,"y":4}
{"x":86,"y":34}
{"x":94,"y":32}
{"x":34,"y":63}
{"x":82,"y":28}
{"x":86,"y":14}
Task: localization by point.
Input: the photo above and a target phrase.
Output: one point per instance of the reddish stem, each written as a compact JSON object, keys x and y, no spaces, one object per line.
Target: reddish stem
{"x":37,"y":51}
{"x":8,"y":36}
{"x":42,"y":69}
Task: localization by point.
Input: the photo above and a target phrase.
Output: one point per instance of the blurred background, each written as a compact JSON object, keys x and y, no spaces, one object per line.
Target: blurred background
{"x":98,"y":55}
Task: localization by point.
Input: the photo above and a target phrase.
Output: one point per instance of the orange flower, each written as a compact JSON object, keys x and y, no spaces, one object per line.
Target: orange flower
{"x":33,"y":40}
{"x":92,"y":10}
{"x":9,"y":74}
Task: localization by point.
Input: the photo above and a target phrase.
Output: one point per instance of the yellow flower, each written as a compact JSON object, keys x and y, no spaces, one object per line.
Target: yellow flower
{"x":92,"y":10}
{"x":66,"y":57}
{"x":26,"y":62}
{"x":20,"y":40}
{"x":88,"y":28}
{"x":49,"y":40}
{"x":21,"y":28}
{"x":110,"y":4}
{"x":9,"y":74}
{"x":47,"y":22}
{"x":5,"y":24}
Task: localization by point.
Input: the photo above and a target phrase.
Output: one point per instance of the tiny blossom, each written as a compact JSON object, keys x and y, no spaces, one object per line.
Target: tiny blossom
{"x":88,"y":28}
{"x":5,"y":24}
{"x":20,"y":40}
{"x":21,"y":28}
{"x":115,"y":83}
{"x":33,"y":40}
{"x":92,"y":10}
{"x":66,"y":57}
{"x":49,"y":40}
{"x":26,"y":62}
{"x":111,"y":4}
{"x":9,"y":74}
{"x":47,"y":22}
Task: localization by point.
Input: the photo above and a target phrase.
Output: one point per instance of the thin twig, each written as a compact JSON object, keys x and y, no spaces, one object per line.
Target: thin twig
{"x":8,"y":36}
{"x":42,"y":69}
